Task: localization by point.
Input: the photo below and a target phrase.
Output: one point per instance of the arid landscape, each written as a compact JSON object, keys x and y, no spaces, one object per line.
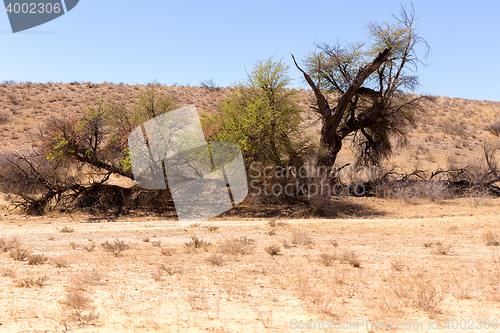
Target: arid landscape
{"x":394,"y":257}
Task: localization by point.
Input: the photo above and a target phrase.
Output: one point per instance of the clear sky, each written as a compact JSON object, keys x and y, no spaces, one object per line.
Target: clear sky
{"x":186,"y":42}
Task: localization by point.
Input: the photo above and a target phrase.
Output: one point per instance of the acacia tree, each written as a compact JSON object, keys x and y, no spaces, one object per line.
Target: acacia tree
{"x":373,"y":99}
{"x":262,"y":117}
{"x":78,"y":151}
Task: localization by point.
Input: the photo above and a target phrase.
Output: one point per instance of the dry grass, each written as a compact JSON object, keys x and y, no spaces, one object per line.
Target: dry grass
{"x":385,"y":268}
{"x":31,"y":281}
{"x":115,"y":248}
{"x":37,"y":259}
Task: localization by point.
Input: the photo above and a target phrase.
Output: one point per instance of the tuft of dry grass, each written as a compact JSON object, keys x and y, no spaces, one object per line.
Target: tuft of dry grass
{"x":301,"y":237}
{"x":162,"y":270}
{"x":66,"y":229}
{"x":19,"y":253}
{"x":60,"y":262}
{"x":273,"y":250}
{"x":8,"y":272}
{"x":491,"y":238}
{"x":215,"y":259}
{"x":31,"y":281}
{"x":116,"y":247}
{"x":237,"y":246}
{"x":196,"y":244}
{"x":443,"y":250}
{"x":327,"y":259}
{"x":37,"y":259}
{"x":9,"y":244}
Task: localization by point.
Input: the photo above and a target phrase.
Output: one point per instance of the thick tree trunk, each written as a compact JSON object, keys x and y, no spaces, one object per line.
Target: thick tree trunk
{"x":330,"y":138}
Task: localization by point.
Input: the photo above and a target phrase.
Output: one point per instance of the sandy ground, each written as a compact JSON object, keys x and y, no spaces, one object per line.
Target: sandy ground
{"x":418,"y":264}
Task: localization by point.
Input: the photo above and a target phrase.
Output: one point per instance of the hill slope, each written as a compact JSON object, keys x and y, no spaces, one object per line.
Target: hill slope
{"x":450,"y":129}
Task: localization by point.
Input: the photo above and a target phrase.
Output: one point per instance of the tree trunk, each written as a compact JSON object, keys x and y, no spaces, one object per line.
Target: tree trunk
{"x":330,"y":138}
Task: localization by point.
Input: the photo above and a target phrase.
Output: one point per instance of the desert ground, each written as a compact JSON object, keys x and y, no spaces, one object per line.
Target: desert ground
{"x":420,"y":263}
{"x":412,"y":263}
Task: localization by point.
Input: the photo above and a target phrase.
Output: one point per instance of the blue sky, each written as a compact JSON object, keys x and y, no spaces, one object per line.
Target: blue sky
{"x":186,"y":42}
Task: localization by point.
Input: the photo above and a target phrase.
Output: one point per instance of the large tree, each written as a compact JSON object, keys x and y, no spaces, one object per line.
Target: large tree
{"x":366,"y":90}
{"x":262,"y":116}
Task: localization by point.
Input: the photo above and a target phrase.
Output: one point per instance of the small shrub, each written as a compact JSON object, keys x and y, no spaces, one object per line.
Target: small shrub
{"x":196,"y":244}
{"x":78,"y":310}
{"x":156,"y":243}
{"x":89,"y":248}
{"x":351,"y":258}
{"x":8,"y":272}
{"x":273,"y":250}
{"x":167,"y":251}
{"x":37,"y":259}
{"x":209,"y":85}
{"x":19,"y":254}
{"x":115,"y":248}
{"x":215,"y":259}
{"x":236,"y":246}
{"x":397,"y":266}
{"x":491,"y":238}
{"x":85,"y":280}
{"x":163,"y":270}
{"x":442,"y":250}
{"x":327,"y":259}
{"x":301,"y":237}
{"x":66,"y":229}
{"x":286,"y":245}
{"x":60,"y":262}
{"x":8,"y":244}
{"x":213,"y":228}
{"x":29,"y":282}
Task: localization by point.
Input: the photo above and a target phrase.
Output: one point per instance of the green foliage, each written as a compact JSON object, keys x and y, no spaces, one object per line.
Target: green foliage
{"x":383,"y":106}
{"x":99,"y":137}
{"x":262,"y":116}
